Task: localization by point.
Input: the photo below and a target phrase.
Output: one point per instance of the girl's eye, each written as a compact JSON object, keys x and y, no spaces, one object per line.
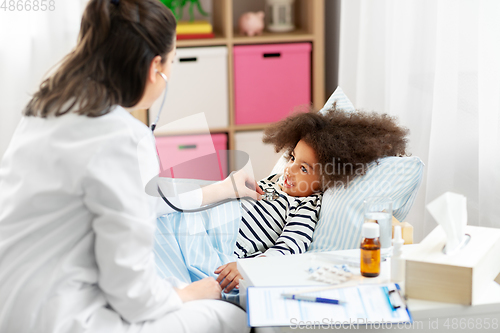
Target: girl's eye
{"x":292,"y":158}
{"x":303,"y":168}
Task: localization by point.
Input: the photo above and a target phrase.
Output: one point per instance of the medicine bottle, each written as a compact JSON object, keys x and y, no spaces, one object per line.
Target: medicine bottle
{"x":370,"y":250}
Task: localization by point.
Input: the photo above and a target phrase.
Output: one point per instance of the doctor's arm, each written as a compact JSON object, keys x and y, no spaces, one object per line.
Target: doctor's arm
{"x":124,"y":223}
{"x":237,"y":185}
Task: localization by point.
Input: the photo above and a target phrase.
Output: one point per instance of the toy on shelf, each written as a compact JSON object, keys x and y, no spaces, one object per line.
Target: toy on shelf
{"x":189,"y":29}
{"x":177,"y":7}
{"x":280,"y":15}
{"x":194,"y":30}
{"x":195,"y":36}
{"x":251,"y":23}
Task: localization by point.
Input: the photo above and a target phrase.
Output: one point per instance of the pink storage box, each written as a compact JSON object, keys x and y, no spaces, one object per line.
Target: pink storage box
{"x":270,"y":81}
{"x":193,"y":156}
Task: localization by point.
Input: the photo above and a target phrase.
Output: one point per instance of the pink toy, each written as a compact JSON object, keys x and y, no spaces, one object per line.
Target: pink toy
{"x":251,"y":23}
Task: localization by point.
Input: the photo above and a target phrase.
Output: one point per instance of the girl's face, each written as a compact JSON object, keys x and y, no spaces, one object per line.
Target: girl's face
{"x":302,"y":172}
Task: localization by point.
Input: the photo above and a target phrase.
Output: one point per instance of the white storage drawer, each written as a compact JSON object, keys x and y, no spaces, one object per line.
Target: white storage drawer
{"x":197,"y":83}
{"x":262,"y":156}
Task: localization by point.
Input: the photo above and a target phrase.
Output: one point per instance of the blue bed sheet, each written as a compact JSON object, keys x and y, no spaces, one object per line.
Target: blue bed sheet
{"x":190,"y":246}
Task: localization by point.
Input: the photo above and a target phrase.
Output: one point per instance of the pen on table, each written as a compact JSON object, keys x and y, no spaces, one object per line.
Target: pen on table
{"x":312,"y":299}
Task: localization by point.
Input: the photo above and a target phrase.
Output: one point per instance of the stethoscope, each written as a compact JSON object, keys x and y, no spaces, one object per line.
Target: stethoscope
{"x":269,"y":193}
{"x":164,"y":77}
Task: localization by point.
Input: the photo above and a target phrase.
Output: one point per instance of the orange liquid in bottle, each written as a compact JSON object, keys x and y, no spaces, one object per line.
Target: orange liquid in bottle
{"x":370,"y":257}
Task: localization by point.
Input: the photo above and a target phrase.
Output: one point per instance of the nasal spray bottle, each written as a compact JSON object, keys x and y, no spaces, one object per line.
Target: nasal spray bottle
{"x":397,"y":262}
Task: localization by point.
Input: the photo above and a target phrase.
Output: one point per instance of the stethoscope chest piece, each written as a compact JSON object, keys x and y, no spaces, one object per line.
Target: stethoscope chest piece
{"x":270,"y":194}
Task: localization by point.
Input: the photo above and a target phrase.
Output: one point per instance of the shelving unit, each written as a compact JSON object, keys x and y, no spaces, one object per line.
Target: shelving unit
{"x":309,"y":21}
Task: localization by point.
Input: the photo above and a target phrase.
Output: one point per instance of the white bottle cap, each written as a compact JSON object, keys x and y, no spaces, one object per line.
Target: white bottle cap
{"x":370,"y":230}
{"x":398,"y":241}
{"x":397,"y":234}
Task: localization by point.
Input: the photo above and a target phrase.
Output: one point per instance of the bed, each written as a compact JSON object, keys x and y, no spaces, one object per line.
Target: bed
{"x":189,"y":247}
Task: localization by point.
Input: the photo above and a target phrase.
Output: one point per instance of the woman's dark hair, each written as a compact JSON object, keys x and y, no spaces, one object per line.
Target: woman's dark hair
{"x":344,"y":142}
{"x":109,"y":65}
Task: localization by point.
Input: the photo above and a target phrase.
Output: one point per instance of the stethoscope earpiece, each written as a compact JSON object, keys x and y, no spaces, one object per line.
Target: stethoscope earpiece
{"x":162,"y":75}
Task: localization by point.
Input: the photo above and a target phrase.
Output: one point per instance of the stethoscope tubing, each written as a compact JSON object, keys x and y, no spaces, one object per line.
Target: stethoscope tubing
{"x":196,"y":210}
{"x":164,"y":77}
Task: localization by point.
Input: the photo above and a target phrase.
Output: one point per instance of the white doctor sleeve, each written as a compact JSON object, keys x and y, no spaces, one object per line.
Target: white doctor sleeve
{"x":124,"y":224}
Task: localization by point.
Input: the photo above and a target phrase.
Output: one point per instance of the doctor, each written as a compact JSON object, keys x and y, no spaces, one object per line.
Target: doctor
{"x":76,"y":227}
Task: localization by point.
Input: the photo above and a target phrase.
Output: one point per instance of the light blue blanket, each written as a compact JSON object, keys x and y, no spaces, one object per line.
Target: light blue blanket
{"x":190,"y":246}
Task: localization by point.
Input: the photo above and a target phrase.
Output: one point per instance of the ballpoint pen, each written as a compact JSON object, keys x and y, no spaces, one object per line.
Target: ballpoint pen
{"x":312,"y":299}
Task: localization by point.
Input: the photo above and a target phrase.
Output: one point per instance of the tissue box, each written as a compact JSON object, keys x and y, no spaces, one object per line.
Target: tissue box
{"x":457,"y":278}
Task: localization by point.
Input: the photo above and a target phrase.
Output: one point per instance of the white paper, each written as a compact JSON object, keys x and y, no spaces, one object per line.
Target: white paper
{"x":365,"y":304}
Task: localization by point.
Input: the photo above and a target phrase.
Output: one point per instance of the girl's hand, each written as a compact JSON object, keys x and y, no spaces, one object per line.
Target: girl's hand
{"x":206,"y":288}
{"x":229,"y":277}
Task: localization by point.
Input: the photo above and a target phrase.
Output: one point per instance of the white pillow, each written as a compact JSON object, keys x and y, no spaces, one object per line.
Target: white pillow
{"x":343,"y":103}
{"x":341,"y":216}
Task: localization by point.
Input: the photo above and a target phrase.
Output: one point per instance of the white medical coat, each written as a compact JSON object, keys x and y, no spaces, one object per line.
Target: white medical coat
{"x":76,"y":227}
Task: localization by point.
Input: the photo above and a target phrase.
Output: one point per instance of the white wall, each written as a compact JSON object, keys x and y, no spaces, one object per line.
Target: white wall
{"x":31,"y":43}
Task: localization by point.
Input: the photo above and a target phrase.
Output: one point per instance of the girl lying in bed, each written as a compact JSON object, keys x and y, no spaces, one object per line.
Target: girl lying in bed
{"x":324,"y":151}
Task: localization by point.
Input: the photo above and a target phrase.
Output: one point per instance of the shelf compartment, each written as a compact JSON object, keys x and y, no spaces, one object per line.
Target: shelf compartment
{"x":262,"y":156}
{"x":304,"y":13}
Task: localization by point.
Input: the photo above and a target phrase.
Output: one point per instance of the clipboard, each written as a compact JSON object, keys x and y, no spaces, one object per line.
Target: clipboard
{"x":395,"y":298}
{"x":365,"y":305}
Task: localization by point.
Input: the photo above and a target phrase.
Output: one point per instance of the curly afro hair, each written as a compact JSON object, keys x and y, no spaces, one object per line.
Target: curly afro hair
{"x":344,"y":142}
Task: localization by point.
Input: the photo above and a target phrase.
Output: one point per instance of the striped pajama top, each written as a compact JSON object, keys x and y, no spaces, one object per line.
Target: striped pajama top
{"x":277,"y":227}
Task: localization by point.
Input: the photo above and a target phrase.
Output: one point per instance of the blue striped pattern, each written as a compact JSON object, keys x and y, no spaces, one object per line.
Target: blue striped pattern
{"x":341,"y":216}
{"x":191,"y":246}
{"x":342,"y":101}
{"x":277,"y":227}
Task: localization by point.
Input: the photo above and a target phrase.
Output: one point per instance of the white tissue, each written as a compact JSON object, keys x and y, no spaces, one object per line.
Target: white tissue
{"x":450,"y":212}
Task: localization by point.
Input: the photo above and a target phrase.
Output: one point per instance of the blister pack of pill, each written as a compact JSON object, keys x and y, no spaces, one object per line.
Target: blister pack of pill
{"x":336,"y":274}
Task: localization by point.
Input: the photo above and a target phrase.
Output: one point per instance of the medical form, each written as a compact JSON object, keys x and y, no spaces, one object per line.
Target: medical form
{"x":365,"y":304}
